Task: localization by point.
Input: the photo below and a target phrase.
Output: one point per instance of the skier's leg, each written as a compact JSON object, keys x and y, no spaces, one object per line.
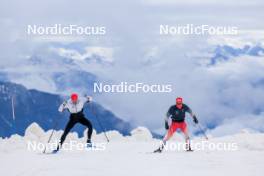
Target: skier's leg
{"x":186,"y":136}
{"x":88,"y":124}
{"x":170,"y":132}
{"x":68,"y":127}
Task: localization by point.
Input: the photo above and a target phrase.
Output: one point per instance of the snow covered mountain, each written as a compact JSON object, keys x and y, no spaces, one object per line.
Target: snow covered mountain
{"x":40,"y":107}
{"x":58,"y":70}
{"x":226,"y":52}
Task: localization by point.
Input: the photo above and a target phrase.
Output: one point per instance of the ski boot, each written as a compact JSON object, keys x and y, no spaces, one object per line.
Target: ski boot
{"x":89,"y":143}
{"x":188,"y":148}
{"x":160,"y":149}
{"x":55,"y":151}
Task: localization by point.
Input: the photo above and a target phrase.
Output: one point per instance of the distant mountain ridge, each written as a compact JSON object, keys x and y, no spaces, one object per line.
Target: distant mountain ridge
{"x":226,"y":52}
{"x":51,"y":74}
{"x":40,"y":107}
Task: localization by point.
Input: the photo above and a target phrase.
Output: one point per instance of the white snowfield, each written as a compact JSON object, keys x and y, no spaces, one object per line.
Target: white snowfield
{"x":130,"y":156}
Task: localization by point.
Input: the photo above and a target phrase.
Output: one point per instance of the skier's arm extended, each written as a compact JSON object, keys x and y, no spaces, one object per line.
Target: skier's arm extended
{"x":192,"y":114}
{"x":62,"y":106}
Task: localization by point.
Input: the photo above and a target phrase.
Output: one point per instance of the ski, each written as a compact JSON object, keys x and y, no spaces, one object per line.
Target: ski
{"x":50,"y":153}
{"x":189,"y":150}
{"x":157,"y":151}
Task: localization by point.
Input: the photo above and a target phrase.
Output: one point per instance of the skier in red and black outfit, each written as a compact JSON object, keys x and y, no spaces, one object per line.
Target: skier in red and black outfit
{"x":177,"y":115}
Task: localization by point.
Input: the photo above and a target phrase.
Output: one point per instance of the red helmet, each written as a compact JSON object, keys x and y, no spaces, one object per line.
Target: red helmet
{"x":179,"y":100}
{"x":74,"y":97}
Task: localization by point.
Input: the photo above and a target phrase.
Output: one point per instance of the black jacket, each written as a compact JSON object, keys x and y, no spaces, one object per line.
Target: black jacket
{"x":178,"y":115}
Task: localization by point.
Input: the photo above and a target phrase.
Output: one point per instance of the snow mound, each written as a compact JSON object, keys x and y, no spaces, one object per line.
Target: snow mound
{"x":114,"y":135}
{"x":34,"y":132}
{"x":56,"y":135}
{"x":245,"y":140}
{"x":141,"y":134}
{"x":249,"y":140}
{"x":71,"y":137}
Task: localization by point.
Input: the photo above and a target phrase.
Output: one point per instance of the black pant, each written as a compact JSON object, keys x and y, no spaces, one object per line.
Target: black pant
{"x":77,"y":118}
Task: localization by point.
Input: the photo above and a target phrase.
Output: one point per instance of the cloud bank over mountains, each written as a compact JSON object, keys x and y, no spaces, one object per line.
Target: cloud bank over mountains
{"x":220,"y":77}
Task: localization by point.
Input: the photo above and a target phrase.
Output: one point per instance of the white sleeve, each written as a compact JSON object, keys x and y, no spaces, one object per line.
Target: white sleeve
{"x":63,"y":106}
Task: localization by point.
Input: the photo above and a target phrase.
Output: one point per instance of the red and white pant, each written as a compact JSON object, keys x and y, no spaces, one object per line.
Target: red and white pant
{"x":174,"y":126}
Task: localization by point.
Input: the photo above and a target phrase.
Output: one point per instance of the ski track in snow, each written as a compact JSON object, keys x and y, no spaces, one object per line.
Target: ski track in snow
{"x":129,"y":156}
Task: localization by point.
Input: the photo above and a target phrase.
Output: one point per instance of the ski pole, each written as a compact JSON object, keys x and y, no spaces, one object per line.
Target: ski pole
{"x":99,"y":122}
{"x":56,"y":124}
{"x":202,"y":131}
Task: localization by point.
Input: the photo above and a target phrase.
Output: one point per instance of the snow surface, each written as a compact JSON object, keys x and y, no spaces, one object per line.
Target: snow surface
{"x":129,"y":156}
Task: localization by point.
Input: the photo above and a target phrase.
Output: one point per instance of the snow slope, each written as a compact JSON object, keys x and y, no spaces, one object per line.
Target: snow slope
{"x":128,"y":156}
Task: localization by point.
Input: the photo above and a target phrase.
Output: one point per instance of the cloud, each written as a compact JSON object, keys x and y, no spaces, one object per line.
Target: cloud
{"x":216,"y":93}
{"x":245,"y":37}
{"x":239,"y":123}
{"x":104,"y":53}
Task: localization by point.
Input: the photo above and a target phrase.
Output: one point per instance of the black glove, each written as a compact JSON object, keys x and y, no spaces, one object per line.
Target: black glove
{"x":89,"y":98}
{"x":64,"y":103}
{"x":195,"y":120}
{"x":166,"y":125}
